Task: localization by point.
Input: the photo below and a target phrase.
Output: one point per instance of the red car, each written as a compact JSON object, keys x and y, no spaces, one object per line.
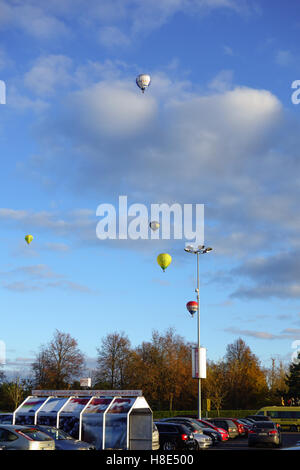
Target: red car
{"x":240,"y":426}
{"x":223,"y":432}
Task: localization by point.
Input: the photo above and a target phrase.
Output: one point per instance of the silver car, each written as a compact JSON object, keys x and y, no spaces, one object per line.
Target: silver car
{"x":24,"y":438}
{"x":202,"y":440}
{"x":64,"y":441}
{"x":155,"y":437}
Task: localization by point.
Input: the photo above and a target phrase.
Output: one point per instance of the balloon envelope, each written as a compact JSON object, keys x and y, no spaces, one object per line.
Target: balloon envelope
{"x":143,"y":81}
{"x":29,"y":238}
{"x":164,"y":259}
{"x":154,"y":225}
{"x":192,"y":307}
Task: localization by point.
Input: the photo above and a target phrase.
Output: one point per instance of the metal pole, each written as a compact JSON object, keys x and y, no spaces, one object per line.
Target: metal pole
{"x":198,"y":300}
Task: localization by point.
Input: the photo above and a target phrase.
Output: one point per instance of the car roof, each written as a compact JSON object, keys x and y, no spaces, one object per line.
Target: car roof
{"x":169,"y":423}
{"x":221,"y":418}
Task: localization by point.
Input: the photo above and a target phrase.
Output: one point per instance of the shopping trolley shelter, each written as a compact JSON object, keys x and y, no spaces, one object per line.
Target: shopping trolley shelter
{"x":108,"y":419}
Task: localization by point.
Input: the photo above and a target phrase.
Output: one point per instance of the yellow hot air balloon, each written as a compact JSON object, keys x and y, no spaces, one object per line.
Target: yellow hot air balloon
{"x":29,"y":238}
{"x":164,"y":260}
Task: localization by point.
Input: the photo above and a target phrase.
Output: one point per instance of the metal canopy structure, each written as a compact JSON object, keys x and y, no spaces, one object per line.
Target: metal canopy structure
{"x":108,"y":419}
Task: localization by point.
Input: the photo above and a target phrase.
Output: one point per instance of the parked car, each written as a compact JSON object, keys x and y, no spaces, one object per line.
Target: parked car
{"x":6,"y":418}
{"x":24,"y":438}
{"x":259,"y":417}
{"x":64,"y":441}
{"x":226,"y":424}
{"x":247,"y":421}
{"x":247,"y":425}
{"x":240,"y":427}
{"x":264,"y":432}
{"x":155,"y":437}
{"x":224,"y":434}
{"x":175,"y":436}
{"x":197,"y":428}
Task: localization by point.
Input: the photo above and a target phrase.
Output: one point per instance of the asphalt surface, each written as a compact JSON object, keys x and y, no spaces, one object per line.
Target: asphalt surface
{"x":289,"y":439}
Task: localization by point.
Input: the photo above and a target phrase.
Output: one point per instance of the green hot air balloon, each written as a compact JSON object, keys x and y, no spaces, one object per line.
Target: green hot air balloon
{"x":29,"y":238}
{"x":164,"y":260}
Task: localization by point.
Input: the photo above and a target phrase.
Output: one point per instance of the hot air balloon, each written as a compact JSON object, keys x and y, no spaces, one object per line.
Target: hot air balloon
{"x":164,"y":260}
{"x":192,"y":307}
{"x":143,"y":81}
{"x":154,"y":225}
{"x":29,"y":238}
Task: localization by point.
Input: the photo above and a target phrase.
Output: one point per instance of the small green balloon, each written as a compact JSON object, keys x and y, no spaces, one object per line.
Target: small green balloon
{"x":29,"y":238}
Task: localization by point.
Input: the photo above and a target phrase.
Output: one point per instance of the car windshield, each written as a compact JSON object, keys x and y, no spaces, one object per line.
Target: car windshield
{"x":56,"y":434}
{"x":34,"y":434}
{"x":199,"y":425}
{"x":191,"y":425}
{"x":207,"y":424}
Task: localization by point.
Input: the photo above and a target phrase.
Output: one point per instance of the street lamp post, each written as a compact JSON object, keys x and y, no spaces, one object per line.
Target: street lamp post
{"x":198,"y":251}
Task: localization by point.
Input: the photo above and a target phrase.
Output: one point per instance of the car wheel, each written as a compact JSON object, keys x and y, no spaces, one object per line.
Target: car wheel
{"x":169,"y":445}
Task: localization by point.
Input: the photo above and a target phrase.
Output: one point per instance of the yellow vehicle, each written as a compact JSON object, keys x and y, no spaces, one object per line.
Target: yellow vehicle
{"x":287,"y":416}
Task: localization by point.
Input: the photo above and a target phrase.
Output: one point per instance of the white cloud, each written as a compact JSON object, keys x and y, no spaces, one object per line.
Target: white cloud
{"x":117,"y":22}
{"x":31,"y":18}
{"x":285,"y":58}
{"x":111,"y":36}
{"x":110,"y":109}
{"x":49,"y":74}
{"x":223,"y":81}
{"x":38,"y":278}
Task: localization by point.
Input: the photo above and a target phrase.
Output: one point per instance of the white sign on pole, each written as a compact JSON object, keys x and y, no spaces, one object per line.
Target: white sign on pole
{"x":195,"y":368}
{"x":86,"y":382}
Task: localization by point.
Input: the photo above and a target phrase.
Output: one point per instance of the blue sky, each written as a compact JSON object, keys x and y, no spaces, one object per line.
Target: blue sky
{"x":216,"y":127}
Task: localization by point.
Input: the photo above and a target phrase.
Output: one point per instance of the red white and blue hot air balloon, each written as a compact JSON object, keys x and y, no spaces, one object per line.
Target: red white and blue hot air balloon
{"x":192,"y":307}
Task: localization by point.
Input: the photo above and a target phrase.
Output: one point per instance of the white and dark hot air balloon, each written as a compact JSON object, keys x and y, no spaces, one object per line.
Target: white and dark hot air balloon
{"x":143,"y":81}
{"x":154,"y":225}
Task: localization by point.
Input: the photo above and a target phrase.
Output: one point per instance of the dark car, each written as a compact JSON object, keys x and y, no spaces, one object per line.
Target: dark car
{"x":197,"y":427}
{"x":264,"y":432}
{"x":173,"y":436}
{"x":226,"y":424}
{"x":259,"y":417}
{"x":224,"y":434}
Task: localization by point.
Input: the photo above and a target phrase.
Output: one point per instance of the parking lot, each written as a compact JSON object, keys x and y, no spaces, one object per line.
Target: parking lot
{"x":289,"y":439}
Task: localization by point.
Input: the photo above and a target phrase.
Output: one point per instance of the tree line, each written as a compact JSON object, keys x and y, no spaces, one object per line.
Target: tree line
{"x":162,"y":369}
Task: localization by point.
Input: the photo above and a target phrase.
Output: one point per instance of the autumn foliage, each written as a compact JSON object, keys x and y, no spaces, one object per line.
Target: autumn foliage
{"x":162,"y":369}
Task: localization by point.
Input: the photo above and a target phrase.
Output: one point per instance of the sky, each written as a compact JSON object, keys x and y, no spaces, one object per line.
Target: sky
{"x":217,"y":127}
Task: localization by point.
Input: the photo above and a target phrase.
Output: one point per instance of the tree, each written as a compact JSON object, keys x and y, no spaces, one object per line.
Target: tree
{"x":245,"y":380}
{"x":275,"y":377}
{"x":2,"y":376}
{"x":293,"y":379}
{"x":215,"y":385}
{"x":14,"y":393}
{"x":113,"y":361}
{"x":59,"y":363}
{"x":162,"y":369}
